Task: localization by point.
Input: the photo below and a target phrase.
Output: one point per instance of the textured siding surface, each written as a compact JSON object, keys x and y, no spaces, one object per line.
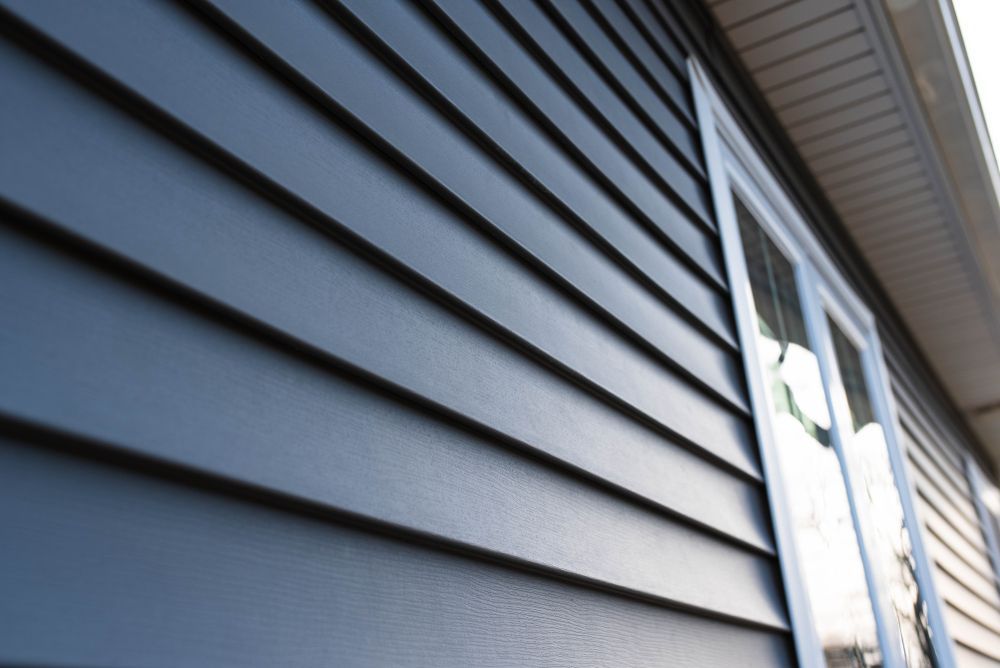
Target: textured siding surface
{"x":964,"y":575}
{"x":367,"y":333}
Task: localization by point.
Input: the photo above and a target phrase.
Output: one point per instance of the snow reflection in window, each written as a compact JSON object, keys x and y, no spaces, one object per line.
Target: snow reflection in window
{"x":826,"y":541}
{"x":868,"y":453}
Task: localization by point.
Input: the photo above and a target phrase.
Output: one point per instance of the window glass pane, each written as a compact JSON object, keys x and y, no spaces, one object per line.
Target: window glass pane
{"x":868,"y":453}
{"x":826,"y":541}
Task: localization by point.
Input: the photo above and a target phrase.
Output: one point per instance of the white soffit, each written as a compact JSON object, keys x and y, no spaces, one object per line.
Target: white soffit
{"x":879,"y":101}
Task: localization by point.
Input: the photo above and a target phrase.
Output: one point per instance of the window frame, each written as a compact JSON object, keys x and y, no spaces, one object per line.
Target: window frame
{"x":734,"y":167}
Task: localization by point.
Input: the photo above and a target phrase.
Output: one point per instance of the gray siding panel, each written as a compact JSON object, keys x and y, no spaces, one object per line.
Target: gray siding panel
{"x":658,"y":34}
{"x":661,"y":74}
{"x":965,"y":577}
{"x":259,"y":259}
{"x":271,"y":131}
{"x":662,"y":103}
{"x":556,"y":48}
{"x":216,"y":401}
{"x":475,"y":24}
{"x":367,"y":334}
{"x":489,"y":113}
{"x":276,"y":588}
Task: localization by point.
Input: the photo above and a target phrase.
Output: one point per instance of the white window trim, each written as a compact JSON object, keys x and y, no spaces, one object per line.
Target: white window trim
{"x":733,"y":165}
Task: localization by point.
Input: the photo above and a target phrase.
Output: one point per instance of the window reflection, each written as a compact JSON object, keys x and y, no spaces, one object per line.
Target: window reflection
{"x":831,"y":563}
{"x":866,"y":448}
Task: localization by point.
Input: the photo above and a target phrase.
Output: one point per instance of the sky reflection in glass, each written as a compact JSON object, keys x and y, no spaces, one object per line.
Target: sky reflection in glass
{"x":829,"y":556}
{"x":868,"y":453}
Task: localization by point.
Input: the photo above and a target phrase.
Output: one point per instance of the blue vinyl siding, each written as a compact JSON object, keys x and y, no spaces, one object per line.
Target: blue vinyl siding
{"x":368,"y":334}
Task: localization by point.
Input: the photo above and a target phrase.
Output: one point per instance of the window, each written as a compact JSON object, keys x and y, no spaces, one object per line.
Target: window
{"x":817,"y":495}
{"x":867,"y":452}
{"x":857,"y":579}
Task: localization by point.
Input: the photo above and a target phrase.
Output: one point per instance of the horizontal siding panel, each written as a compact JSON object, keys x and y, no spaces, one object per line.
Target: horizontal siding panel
{"x":178,"y":193}
{"x":956,"y":497}
{"x":946,"y":560}
{"x":972,"y":606}
{"x":969,"y":531}
{"x":692,"y":234}
{"x":970,"y":634}
{"x":963,"y":573}
{"x":404,"y":323}
{"x":473,"y":23}
{"x":491,"y":193}
{"x":470,"y":90}
{"x":663,"y":101}
{"x":216,"y":400}
{"x":969,"y":659}
{"x":956,"y":543}
{"x":409,"y":35}
{"x":278,"y":272}
{"x":647,"y":145}
{"x":670,"y":86}
{"x":248,"y":130}
{"x":934,"y":432}
{"x":650,"y":19}
{"x":167,"y":562}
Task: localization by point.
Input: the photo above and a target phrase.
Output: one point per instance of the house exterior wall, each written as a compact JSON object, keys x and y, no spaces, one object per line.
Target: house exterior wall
{"x":368,"y":334}
{"x":378,"y":334}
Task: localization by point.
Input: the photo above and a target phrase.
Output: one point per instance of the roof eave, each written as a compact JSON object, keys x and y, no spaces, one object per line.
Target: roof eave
{"x":936,"y":69}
